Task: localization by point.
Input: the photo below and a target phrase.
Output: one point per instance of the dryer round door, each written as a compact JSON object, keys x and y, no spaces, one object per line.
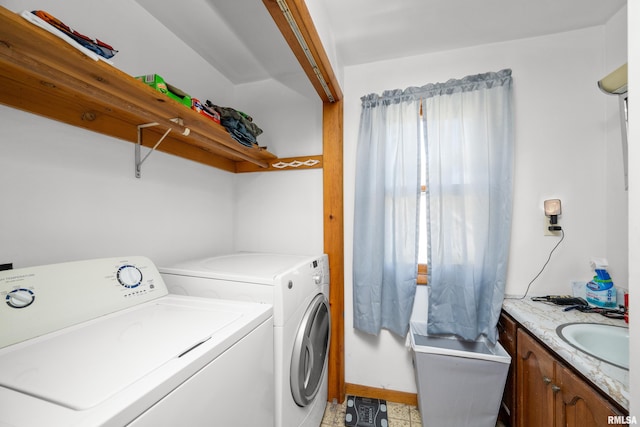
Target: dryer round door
{"x":310,"y":350}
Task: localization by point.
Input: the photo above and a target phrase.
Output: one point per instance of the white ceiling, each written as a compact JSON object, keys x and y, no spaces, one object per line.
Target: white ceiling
{"x":371,"y":30}
{"x":239,"y":38}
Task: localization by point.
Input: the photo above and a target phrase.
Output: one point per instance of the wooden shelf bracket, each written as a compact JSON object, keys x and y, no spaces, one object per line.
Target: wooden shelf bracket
{"x":138,"y":147}
{"x":295,"y":164}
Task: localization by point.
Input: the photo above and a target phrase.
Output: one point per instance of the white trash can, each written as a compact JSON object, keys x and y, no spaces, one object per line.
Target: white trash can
{"x":460,"y":383}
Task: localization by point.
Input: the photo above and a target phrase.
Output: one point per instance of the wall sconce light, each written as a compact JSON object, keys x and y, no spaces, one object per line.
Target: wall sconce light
{"x":553,"y":208}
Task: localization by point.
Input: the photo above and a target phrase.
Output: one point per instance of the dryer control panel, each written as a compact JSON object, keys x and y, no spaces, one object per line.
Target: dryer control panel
{"x":321,"y":268}
{"x":42,"y":299}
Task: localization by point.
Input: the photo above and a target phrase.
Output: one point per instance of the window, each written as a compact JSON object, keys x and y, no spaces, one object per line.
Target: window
{"x":422,"y":222}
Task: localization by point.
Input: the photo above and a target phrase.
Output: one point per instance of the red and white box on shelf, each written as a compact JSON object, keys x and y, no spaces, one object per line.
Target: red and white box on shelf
{"x":196,"y":105}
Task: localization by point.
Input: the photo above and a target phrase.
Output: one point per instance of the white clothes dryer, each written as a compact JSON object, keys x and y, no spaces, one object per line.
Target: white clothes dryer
{"x":102,"y":343}
{"x":298,"y":289}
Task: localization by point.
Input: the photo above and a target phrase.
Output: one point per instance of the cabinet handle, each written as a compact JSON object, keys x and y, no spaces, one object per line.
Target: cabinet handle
{"x":555,"y":388}
{"x":546,"y":380}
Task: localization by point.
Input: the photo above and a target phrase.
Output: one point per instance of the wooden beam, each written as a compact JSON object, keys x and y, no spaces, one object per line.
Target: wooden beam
{"x":332,"y":140}
{"x":308,"y":30}
{"x":332,"y":135}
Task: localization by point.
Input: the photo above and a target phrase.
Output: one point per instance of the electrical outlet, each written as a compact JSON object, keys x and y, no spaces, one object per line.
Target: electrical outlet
{"x":547,"y":224}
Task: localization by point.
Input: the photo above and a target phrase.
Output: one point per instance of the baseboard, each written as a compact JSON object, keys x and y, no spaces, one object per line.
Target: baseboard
{"x":382,"y":393}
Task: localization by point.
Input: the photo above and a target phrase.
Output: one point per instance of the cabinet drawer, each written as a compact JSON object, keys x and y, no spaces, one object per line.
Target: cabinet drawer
{"x":507,"y":333}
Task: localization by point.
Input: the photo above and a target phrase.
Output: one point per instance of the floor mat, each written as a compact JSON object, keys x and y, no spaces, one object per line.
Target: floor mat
{"x":365,"y":412}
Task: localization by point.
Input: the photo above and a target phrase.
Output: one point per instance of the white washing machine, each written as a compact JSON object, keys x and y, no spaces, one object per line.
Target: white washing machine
{"x":298,"y":288}
{"x":102,"y":343}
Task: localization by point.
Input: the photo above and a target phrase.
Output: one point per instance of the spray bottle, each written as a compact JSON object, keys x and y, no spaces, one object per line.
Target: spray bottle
{"x":600,"y":290}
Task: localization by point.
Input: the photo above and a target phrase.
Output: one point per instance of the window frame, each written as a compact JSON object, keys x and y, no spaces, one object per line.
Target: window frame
{"x":422,"y":268}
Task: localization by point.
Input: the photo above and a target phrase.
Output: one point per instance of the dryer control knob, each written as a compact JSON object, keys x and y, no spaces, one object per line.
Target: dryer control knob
{"x":317,"y":279}
{"x":129,"y":276}
{"x":20,"y":298}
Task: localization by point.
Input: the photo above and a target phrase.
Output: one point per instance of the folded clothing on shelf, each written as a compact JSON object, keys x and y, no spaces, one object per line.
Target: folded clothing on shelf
{"x":239,"y":125}
{"x":95,"y":45}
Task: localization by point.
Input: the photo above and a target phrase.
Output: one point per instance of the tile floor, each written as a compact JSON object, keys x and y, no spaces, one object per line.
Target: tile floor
{"x":399,"y":415}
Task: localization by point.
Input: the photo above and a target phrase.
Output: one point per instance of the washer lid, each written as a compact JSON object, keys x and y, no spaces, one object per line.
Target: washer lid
{"x":241,"y":267}
{"x":82,"y":366}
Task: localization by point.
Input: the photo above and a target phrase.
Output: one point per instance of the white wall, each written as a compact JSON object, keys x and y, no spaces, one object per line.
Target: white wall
{"x":70,"y":194}
{"x":281,"y":211}
{"x":561,"y":138}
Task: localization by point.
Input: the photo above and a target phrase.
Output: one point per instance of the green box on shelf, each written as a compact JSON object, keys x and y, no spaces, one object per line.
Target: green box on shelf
{"x":158,"y":83}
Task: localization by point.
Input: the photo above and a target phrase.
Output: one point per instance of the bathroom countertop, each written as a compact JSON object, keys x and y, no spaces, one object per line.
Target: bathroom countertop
{"x":541,"y":320}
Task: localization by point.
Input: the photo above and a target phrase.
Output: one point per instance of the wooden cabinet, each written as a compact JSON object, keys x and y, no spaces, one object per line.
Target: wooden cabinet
{"x":507,"y":337}
{"x":579,"y":405}
{"x":535,"y":384}
{"x":550,"y":394}
{"x":542,"y":391}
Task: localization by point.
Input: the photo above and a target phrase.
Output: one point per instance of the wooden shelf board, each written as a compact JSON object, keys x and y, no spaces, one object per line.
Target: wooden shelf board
{"x":44,"y":75}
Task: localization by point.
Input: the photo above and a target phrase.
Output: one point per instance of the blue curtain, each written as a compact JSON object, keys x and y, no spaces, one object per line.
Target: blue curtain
{"x":469,"y":146}
{"x":386,"y":212}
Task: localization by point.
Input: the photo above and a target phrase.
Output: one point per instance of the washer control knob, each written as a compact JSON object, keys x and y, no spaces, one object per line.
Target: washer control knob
{"x":20,"y":298}
{"x":129,"y":276}
{"x":317,"y":279}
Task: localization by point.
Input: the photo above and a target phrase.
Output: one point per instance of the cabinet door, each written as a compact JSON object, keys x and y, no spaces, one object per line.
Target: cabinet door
{"x":507,"y":337}
{"x":535,"y":375}
{"x":578,"y":404}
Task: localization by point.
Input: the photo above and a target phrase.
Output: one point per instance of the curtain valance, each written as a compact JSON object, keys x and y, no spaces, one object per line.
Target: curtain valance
{"x":414,"y":93}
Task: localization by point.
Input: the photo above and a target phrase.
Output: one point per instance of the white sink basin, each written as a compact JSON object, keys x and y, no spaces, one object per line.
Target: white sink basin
{"x":605,"y":342}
